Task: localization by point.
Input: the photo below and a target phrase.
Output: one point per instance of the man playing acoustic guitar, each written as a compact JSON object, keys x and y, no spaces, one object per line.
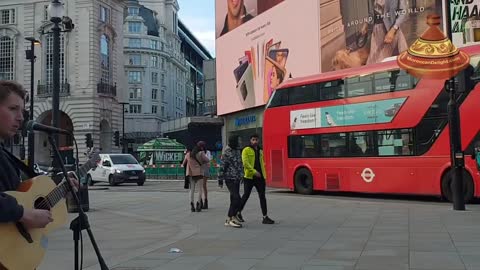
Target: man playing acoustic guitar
{"x":12,"y":97}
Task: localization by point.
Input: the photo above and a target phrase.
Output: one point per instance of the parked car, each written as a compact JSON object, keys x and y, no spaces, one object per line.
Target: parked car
{"x":38,"y":170}
{"x":116,"y":169}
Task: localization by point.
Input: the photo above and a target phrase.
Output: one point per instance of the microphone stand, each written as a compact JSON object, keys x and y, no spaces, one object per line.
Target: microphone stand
{"x":81,"y":222}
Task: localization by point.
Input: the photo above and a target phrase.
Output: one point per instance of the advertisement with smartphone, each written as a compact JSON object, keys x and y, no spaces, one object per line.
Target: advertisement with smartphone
{"x":261,"y":53}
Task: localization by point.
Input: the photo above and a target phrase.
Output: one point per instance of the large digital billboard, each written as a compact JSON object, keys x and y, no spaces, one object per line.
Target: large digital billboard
{"x":260,"y":44}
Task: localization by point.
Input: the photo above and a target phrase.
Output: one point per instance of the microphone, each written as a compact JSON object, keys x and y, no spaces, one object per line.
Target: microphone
{"x":32,"y":125}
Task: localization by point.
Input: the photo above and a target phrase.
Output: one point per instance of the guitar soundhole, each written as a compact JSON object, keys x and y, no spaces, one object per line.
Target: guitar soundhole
{"x":42,"y":203}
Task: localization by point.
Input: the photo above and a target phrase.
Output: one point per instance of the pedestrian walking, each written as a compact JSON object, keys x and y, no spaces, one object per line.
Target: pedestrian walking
{"x":254,"y":176}
{"x":186,"y":170}
{"x":231,"y":173}
{"x":195,"y":160}
{"x":206,"y":174}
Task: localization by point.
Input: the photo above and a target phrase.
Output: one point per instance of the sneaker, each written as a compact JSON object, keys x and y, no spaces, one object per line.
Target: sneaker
{"x":239,"y":217}
{"x":267,"y":220}
{"x":236,"y":220}
{"x":231,"y":223}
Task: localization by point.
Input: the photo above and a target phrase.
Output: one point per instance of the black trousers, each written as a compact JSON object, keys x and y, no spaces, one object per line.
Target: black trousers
{"x":235,"y":199}
{"x":259,"y":184}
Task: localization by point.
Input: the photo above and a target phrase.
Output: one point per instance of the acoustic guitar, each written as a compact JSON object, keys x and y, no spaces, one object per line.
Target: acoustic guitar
{"x":22,"y":249}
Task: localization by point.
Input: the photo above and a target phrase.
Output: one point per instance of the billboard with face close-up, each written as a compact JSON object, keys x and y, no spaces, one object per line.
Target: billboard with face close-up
{"x":261,"y":44}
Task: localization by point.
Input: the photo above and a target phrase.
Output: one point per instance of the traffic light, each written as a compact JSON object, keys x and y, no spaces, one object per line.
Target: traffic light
{"x":88,"y":140}
{"x":116,"y":138}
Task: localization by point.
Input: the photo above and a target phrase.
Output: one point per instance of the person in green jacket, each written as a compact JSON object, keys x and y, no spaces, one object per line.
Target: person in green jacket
{"x":254,"y":176}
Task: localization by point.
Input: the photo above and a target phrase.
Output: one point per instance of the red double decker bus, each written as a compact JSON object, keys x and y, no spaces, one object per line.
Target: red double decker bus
{"x":373,"y":129}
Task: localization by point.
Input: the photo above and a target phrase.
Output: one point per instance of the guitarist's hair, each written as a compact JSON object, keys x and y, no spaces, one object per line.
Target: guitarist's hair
{"x":9,"y":87}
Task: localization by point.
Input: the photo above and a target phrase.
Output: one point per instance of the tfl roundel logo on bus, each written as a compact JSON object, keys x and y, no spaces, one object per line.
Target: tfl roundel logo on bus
{"x":367,"y":175}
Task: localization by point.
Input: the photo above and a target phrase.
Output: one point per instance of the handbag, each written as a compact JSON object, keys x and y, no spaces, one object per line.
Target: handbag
{"x":186,"y":185}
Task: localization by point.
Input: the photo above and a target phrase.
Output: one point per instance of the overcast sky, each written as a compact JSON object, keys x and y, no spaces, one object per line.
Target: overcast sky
{"x":199,"y":17}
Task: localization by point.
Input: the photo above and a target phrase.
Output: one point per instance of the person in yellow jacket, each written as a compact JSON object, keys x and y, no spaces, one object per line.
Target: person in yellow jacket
{"x":254,"y":176}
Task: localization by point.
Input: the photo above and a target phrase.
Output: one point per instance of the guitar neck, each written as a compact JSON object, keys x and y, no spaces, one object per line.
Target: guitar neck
{"x":62,"y":189}
{"x":57,"y":194}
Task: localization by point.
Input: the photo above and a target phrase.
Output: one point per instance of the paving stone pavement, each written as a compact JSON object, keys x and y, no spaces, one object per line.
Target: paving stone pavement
{"x":135,"y":228}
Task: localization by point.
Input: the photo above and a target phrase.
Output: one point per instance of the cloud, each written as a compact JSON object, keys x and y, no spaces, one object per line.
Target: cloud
{"x":207,"y":38}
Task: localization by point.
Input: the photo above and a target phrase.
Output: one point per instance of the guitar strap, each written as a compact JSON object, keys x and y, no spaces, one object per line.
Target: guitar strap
{"x":19,"y":164}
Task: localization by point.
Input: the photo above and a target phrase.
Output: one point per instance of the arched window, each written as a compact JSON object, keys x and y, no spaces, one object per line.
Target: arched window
{"x":7,"y":57}
{"x":105,"y":59}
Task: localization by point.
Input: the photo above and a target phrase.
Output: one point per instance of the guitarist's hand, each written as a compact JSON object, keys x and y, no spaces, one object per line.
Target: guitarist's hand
{"x":36,"y":218}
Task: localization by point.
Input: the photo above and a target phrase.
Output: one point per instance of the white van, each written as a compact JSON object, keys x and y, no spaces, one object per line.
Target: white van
{"x":116,"y":169}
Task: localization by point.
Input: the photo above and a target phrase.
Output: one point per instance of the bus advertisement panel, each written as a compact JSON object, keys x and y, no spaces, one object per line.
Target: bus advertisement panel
{"x":263,"y":43}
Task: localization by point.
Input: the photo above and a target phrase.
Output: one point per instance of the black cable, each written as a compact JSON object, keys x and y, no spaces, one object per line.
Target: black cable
{"x":77,"y":169}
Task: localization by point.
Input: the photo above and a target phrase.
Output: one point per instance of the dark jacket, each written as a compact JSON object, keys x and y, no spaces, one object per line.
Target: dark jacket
{"x":232,"y":167}
{"x":10,"y":179}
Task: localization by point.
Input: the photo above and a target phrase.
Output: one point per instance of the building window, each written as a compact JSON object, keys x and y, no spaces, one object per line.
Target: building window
{"x":135,"y":93}
{"x":174,"y":22}
{"x":163,"y":111}
{"x":105,"y":59}
{"x":133,"y":11}
{"x":162,"y":81}
{"x":154,"y":44}
{"x":134,"y":27}
{"x":135,"y":59}
{"x":49,"y":59}
{"x":135,"y":108}
{"x":163,"y":95}
{"x":46,"y":17}
{"x":135,"y":43}
{"x":134,"y":77}
{"x":154,"y":109}
{"x":7,"y":57}
{"x":155,"y":61}
{"x":155,"y":77}
{"x":154,"y":94}
{"x":162,"y":63}
{"x":7,"y":16}
{"x":104,"y":14}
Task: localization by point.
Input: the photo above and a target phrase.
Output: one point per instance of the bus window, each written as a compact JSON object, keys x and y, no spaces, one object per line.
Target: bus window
{"x":382,"y":82}
{"x":303,"y":94}
{"x":405,"y":81}
{"x":331,"y":90}
{"x":427,"y":132}
{"x":395,"y":142}
{"x":359,"y":85}
{"x":337,"y":145}
{"x":278,"y":98}
{"x":360,"y":144}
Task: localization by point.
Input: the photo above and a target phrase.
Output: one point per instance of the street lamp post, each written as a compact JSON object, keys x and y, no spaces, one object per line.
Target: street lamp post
{"x":31,"y":136}
{"x":456,"y":154}
{"x":123,"y":126}
{"x":56,"y":12}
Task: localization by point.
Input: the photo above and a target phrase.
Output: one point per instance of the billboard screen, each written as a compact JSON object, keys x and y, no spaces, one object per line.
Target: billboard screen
{"x":280,"y":39}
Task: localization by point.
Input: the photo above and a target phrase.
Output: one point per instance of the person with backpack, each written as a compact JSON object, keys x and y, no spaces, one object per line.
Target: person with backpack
{"x":230,"y":173}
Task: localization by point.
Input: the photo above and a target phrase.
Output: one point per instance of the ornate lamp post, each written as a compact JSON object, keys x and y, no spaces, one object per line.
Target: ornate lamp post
{"x":31,"y":136}
{"x":56,"y":12}
{"x":434,"y":56}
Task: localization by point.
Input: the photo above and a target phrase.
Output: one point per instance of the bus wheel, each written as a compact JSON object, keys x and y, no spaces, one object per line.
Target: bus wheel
{"x":447,"y":181}
{"x":304,"y":181}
